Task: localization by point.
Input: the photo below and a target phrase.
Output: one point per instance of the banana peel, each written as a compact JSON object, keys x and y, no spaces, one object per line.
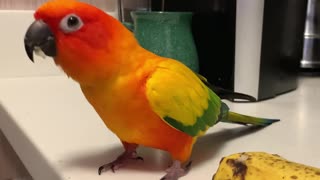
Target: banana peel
{"x":263,"y":166}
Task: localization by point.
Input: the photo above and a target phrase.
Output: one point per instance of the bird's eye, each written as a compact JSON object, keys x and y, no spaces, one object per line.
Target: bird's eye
{"x":71,"y":23}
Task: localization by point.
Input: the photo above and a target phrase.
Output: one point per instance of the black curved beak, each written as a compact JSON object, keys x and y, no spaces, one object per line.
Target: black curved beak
{"x":39,"y":36}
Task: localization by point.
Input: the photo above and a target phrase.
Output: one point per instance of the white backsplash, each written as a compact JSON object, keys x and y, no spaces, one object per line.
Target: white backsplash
{"x":107,"y":5}
{"x":13,"y":60}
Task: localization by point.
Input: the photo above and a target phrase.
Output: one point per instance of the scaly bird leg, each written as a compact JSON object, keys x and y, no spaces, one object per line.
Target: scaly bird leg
{"x":175,"y":171}
{"x":130,"y":153}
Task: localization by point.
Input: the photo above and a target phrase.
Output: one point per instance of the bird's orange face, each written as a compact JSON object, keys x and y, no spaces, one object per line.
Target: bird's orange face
{"x":81,"y":38}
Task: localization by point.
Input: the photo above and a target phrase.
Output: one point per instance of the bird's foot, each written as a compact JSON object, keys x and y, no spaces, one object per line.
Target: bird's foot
{"x":175,"y":171}
{"x":123,"y":159}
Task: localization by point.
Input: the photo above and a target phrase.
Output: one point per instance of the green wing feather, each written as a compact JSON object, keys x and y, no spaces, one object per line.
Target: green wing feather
{"x":181,"y":99}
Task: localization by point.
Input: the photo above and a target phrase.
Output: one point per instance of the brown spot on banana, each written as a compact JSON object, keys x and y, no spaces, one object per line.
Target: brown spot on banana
{"x":239,"y":169}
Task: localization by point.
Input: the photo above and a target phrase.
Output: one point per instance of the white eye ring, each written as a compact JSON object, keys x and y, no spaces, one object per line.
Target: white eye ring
{"x":71,"y":23}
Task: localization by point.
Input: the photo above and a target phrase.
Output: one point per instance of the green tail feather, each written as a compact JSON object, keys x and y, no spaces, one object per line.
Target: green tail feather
{"x":232,"y":117}
{"x":243,"y":119}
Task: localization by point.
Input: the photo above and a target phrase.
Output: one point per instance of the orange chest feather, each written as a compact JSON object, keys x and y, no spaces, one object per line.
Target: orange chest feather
{"x":123,"y":107}
{"x":125,"y":110}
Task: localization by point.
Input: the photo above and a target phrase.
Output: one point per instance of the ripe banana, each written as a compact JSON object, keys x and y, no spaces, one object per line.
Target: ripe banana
{"x":263,"y":166}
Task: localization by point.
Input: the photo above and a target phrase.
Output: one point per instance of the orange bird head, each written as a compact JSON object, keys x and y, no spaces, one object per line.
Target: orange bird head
{"x":85,"y":41}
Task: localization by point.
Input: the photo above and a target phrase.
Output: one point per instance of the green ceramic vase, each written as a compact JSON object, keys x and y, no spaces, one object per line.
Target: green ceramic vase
{"x":167,"y":34}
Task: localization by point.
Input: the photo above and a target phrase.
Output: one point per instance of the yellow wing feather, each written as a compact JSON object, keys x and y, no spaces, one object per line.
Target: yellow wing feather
{"x":175,"y":91}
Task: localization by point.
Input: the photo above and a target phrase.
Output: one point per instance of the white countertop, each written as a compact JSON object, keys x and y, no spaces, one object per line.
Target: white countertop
{"x":58,"y":135}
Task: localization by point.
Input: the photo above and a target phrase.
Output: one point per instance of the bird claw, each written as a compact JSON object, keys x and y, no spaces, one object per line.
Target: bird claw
{"x":139,"y":158}
{"x":175,"y":171}
{"x":120,"y":161}
{"x":105,"y":167}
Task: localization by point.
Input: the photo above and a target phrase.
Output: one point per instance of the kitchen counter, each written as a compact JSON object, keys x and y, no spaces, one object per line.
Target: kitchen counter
{"x":58,"y":135}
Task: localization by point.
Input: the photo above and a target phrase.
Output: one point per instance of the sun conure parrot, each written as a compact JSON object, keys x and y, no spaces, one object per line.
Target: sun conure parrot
{"x":143,"y":98}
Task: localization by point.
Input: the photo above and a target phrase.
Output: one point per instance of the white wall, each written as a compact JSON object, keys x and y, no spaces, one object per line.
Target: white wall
{"x":14,"y":23}
{"x":107,"y":5}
